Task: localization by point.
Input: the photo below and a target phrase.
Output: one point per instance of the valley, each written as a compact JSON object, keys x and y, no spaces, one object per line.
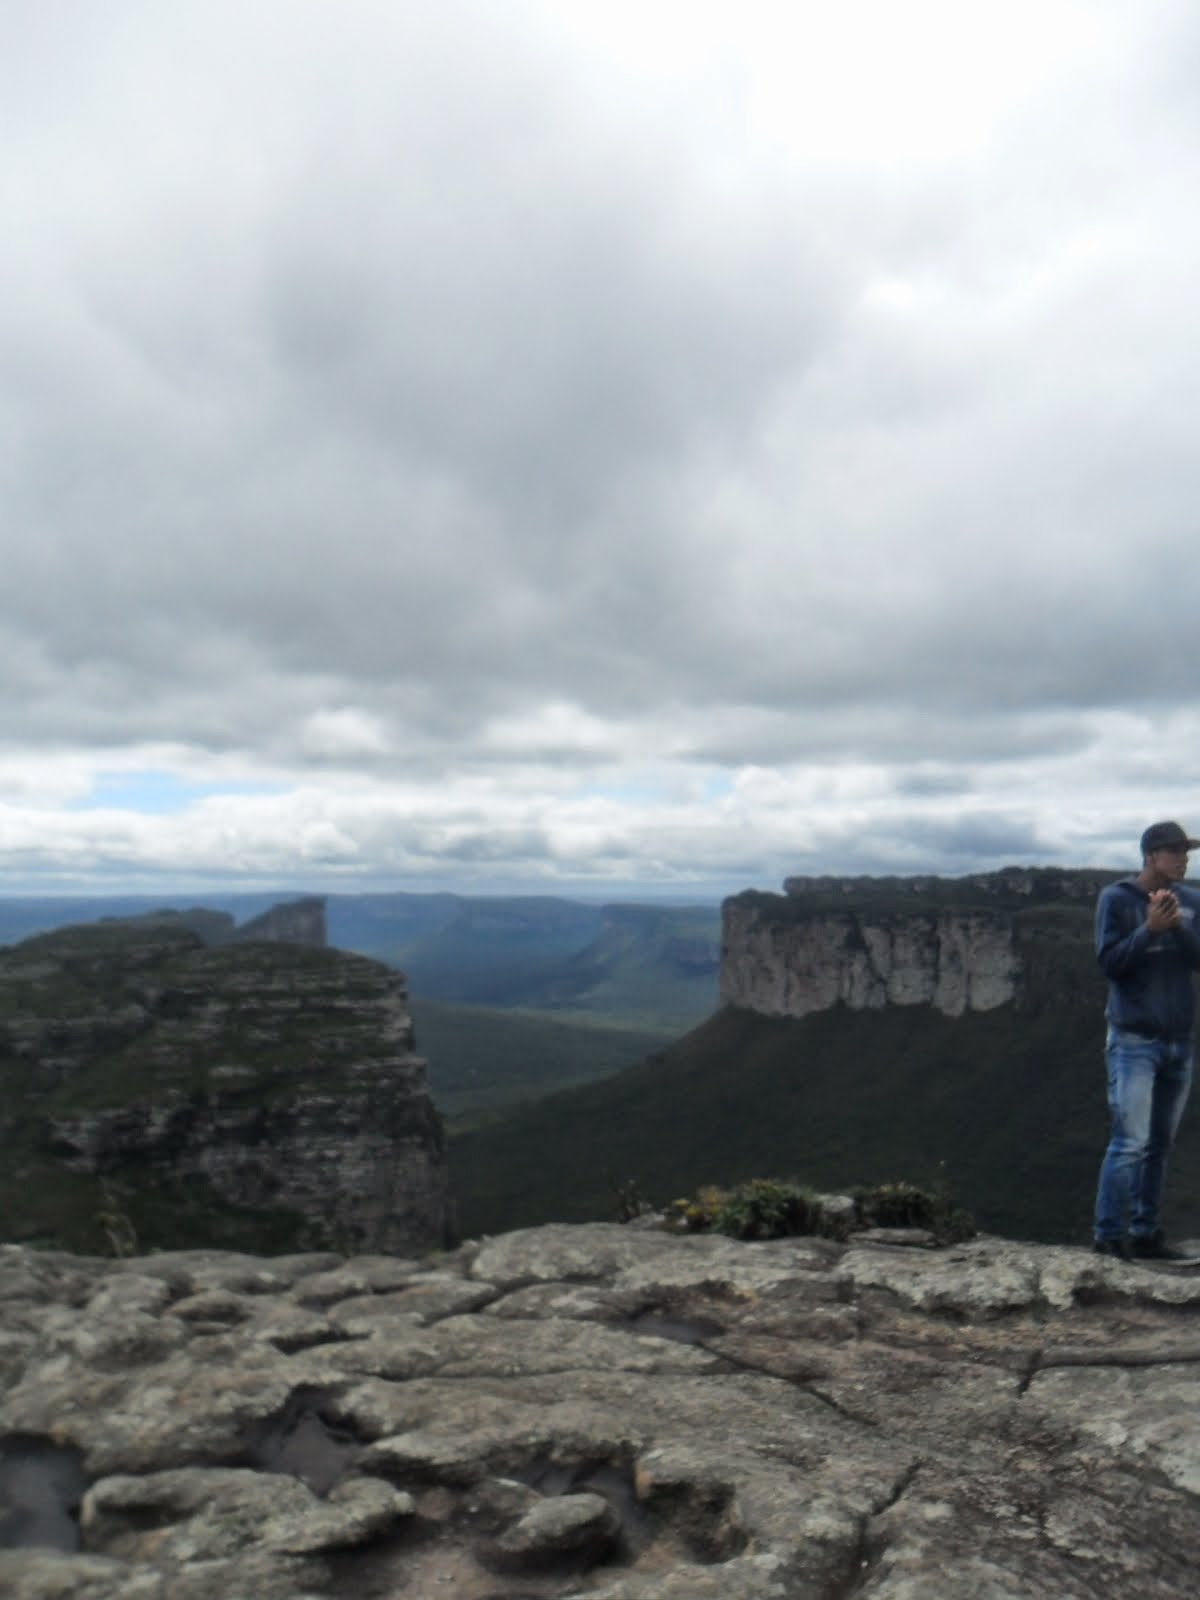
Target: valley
{"x":942,"y":1032}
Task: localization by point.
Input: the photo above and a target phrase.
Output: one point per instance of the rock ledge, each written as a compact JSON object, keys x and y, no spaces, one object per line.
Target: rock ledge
{"x":599,"y":1411}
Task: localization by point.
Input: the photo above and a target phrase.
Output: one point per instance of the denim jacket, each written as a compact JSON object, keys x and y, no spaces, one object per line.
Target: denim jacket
{"x":1150,"y":988}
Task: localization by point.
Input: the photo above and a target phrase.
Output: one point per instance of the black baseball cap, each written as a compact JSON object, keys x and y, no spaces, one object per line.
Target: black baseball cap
{"x":1167,"y":836}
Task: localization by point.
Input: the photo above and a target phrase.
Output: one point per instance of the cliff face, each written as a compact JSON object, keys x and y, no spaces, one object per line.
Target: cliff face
{"x":955,"y":944}
{"x":266,"y":1087}
{"x":954,"y":961}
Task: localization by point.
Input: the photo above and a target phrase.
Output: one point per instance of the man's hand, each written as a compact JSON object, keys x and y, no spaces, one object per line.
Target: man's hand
{"x":1164,"y":912}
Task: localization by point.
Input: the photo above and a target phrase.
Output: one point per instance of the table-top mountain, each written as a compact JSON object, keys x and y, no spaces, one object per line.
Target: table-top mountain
{"x":957,"y":944}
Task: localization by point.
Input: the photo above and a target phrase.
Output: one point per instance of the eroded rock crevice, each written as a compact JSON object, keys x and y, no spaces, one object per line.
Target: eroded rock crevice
{"x":41,"y":1486}
{"x":306,"y":1439}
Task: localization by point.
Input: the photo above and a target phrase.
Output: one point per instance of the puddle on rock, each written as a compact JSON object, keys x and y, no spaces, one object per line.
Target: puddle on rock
{"x":684,"y":1330}
{"x":41,"y":1485}
{"x":305,"y":1441}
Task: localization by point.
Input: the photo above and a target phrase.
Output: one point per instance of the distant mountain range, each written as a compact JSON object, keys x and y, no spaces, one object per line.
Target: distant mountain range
{"x":650,"y":964}
{"x":653,"y":966}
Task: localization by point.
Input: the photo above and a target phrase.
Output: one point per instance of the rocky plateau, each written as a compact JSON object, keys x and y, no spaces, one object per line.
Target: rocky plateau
{"x":600,"y":1411}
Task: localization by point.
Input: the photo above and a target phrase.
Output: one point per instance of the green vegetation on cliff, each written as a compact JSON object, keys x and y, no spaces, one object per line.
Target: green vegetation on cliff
{"x":481,"y":1060}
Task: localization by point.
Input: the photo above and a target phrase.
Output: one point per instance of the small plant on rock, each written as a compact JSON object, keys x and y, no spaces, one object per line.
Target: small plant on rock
{"x":767,"y":1208}
{"x":115,"y":1221}
{"x":763,"y":1208}
{"x":773,"y":1208}
{"x":904,"y":1205}
{"x":631,"y":1202}
{"x":693,"y":1215}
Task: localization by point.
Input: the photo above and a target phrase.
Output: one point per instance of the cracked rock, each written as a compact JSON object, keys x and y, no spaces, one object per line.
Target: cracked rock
{"x":601,"y":1413}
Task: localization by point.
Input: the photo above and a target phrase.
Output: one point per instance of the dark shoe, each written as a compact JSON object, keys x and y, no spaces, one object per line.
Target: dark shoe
{"x":1111,"y":1247}
{"x":1154,"y":1247}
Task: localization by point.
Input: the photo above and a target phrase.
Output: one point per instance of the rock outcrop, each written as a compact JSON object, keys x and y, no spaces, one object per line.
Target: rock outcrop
{"x":262,"y":1091}
{"x":290,"y":922}
{"x":601,"y":1412}
{"x":955,"y":944}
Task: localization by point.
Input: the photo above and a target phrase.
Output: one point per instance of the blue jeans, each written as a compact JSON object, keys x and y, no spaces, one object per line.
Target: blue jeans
{"x":1148,"y":1083}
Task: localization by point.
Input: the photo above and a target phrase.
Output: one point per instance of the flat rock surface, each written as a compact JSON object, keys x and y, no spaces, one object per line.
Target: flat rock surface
{"x":602,"y":1412}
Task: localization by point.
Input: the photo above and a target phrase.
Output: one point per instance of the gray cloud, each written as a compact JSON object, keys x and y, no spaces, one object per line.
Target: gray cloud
{"x":400,"y":397}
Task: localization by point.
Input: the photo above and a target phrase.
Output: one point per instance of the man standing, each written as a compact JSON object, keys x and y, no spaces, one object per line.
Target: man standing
{"x":1148,"y":946}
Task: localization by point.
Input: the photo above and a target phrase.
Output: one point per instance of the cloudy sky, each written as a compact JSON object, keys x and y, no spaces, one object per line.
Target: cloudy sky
{"x":585,"y":445}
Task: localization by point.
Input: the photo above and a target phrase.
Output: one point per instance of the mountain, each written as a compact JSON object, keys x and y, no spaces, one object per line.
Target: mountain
{"x":492,"y":952}
{"x":647,"y":964}
{"x":940,"y":1031}
{"x":22,"y":916}
{"x":162,"y":1090}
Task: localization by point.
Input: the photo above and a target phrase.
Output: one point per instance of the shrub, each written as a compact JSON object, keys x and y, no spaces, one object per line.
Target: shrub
{"x":763,"y":1208}
{"x":904,"y":1205}
{"x":631,"y":1202}
{"x":118,"y":1228}
{"x":772,"y":1208}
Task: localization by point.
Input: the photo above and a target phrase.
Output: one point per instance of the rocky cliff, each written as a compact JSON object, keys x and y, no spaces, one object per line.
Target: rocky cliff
{"x":602,"y":1413}
{"x":170,"y":1090}
{"x":955,"y":944}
